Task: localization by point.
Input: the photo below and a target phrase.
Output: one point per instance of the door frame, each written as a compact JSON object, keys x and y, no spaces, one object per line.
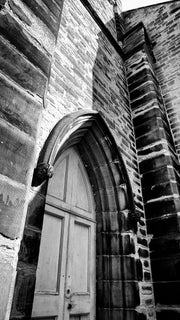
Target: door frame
{"x":116,"y":272}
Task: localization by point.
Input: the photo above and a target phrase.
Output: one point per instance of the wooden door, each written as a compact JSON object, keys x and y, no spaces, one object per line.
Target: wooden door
{"x":65,"y":284}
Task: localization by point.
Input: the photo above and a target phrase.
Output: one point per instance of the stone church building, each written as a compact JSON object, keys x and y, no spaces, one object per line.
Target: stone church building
{"x":90,"y":160}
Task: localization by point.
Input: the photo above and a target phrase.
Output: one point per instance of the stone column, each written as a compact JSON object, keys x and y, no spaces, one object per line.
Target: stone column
{"x":159,"y":166}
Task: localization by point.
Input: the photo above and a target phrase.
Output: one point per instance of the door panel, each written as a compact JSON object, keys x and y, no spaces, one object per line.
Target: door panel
{"x":80,"y":258}
{"x":50,"y":276}
{"x":50,"y":255}
{"x":80,"y":279}
{"x":58,"y":184}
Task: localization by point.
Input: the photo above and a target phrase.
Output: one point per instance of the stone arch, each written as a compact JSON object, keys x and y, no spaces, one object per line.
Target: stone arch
{"x":117,"y":279}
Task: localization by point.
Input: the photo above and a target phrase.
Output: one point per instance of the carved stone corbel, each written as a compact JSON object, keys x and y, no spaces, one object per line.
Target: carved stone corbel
{"x":42,"y":172}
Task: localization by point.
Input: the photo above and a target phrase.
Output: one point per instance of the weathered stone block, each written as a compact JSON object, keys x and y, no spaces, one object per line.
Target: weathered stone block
{"x":19,"y":109}
{"x":163,"y":225}
{"x":150,"y":137}
{"x":143,"y":253}
{"x":29,"y":249}
{"x":17,"y":151}
{"x":168,"y":314}
{"x":14,"y":32}
{"x":122,"y":268}
{"x":12,"y":205}
{"x":147,"y":276}
{"x":35,"y":213}
{"x":148,"y":126}
{"x":160,"y":190}
{"x":24,"y":291}
{"x":164,"y":246}
{"x":158,"y":176}
{"x":102,"y":267}
{"x":49,"y":14}
{"x":166,"y":269}
{"x":6,"y":276}
{"x":161,"y":207}
{"x":102,"y":290}
{"x":114,"y":314}
{"x":167,"y":292}
{"x":17,"y":67}
{"x":155,"y":163}
{"x":124,"y":293}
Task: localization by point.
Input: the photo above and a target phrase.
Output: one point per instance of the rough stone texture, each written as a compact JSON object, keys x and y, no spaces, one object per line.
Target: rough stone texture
{"x":26,"y":47}
{"x":88,"y":73}
{"x":156,"y":154}
{"x":162,"y":23}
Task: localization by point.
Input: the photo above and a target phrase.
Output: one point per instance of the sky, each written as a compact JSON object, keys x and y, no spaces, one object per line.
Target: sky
{"x":132,"y":4}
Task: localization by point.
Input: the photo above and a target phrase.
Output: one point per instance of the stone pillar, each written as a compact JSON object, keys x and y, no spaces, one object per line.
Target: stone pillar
{"x":159,"y":168}
{"x":28,"y":32}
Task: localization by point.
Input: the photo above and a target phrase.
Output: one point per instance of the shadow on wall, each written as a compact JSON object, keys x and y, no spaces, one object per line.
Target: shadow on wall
{"x":110,"y":99}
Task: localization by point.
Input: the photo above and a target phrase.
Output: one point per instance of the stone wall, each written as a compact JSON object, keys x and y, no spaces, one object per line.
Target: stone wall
{"x":154,"y":90}
{"x":162,"y":24}
{"x":27,"y":41}
{"x":84,"y":67}
{"x":88,"y":72}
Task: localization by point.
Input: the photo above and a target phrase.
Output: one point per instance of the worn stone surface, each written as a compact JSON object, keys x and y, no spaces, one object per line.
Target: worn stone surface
{"x":26,"y":47}
{"x":18,"y":108}
{"x":156,"y":152}
{"x":162,"y":23}
{"x":20,"y":69}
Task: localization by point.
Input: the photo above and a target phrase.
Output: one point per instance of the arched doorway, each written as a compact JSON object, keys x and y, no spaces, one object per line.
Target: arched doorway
{"x":117,"y":290}
{"x":65,"y":281}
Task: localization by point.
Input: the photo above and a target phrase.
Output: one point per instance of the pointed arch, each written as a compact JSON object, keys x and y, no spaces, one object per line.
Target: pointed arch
{"x":118,"y":269}
{"x":117,"y":287}
{"x":89,"y":132}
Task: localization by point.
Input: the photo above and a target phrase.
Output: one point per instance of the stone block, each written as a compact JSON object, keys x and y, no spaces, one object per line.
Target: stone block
{"x":49,"y":14}
{"x":155,"y":163}
{"x":166,"y":269}
{"x":162,"y":207}
{"x":114,"y":314}
{"x":6,"y":275}
{"x":122,"y":268}
{"x":18,"y":108}
{"x":168,"y":314}
{"x":163,"y":225}
{"x":24,"y":291}
{"x":150,"y":137}
{"x":13,"y":31}
{"x":164,"y":246}
{"x":147,"y":115}
{"x":124,"y":293}
{"x":160,"y":190}
{"x":17,"y":151}
{"x":12,"y":208}
{"x":151,"y":96}
{"x":103,"y":293}
{"x":29,"y":249}
{"x":157,"y":176}
{"x":114,"y":243}
{"x":167,"y":293}
{"x":17,"y":67}
{"x":147,"y":276}
{"x":143,"y":253}
{"x":148,"y":126}
{"x":102,"y":267}
{"x":35,"y":212}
